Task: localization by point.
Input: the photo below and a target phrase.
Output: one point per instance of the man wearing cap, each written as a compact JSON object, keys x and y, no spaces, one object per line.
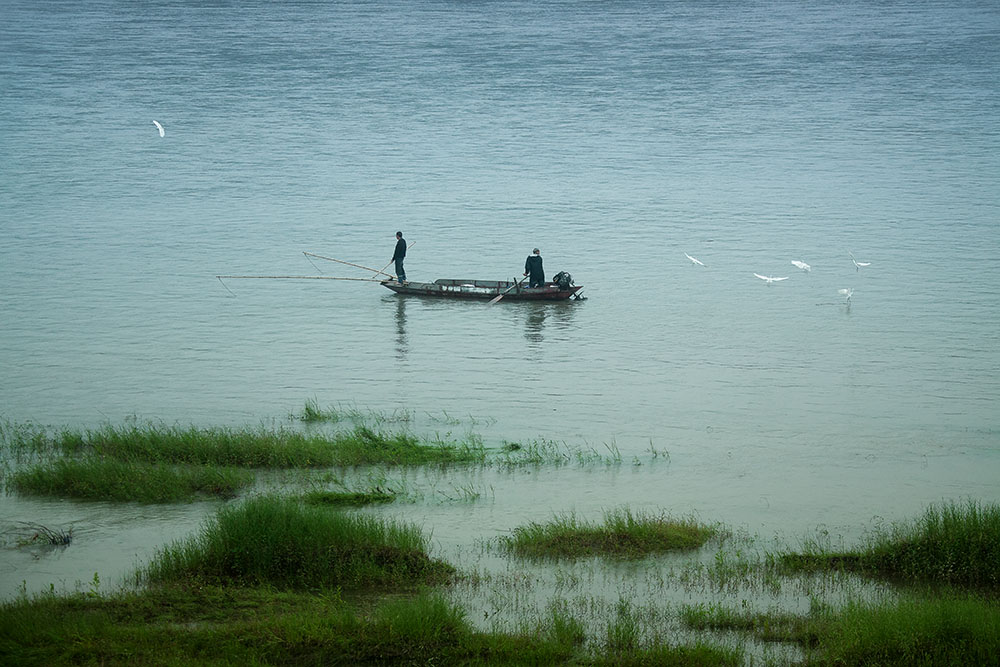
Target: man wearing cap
{"x":533,"y":269}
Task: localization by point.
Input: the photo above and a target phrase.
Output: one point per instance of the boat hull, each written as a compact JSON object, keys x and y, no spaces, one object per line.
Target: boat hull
{"x":483,"y":290}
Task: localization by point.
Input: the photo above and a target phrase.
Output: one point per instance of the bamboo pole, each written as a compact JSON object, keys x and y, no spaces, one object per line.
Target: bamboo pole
{"x":369,"y":280}
{"x":331,"y":259}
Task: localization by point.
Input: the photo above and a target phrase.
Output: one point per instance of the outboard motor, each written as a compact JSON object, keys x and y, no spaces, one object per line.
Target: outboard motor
{"x":563,"y":280}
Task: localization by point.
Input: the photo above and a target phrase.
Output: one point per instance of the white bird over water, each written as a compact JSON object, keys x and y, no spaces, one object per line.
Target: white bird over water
{"x":847,"y":292}
{"x":694,"y":261}
{"x":801,"y":265}
{"x":770,"y":279}
{"x":158,"y":127}
{"x":857,"y":264}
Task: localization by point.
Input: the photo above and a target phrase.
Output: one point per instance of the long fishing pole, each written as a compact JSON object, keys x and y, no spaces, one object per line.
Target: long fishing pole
{"x":368,"y":280}
{"x":331,"y":259}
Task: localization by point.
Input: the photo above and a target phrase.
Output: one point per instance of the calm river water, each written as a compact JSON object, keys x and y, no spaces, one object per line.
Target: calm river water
{"x":616,"y":137}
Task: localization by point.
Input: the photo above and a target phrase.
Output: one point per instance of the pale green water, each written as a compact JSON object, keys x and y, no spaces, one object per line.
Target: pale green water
{"x":616,"y":137}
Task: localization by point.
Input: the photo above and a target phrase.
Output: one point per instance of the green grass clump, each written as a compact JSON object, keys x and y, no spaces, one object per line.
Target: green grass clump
{"x":362,"y":446}
{"x":225,"y":625}
{"x":951,"y":543}
{"x":937,"y":631}
{"x":126,"y":481}
{"x":270,"y":540}
{"x":36,"y":533}
{"x":348,"y":498}
{"x":765,"y":626}
{"x":245,"y":447}
{"x":911,"y":633}
{"x":623,"y":534}
{"x":623,"y":645}
{"x":261,"y":447}
{"x":312,"y":413}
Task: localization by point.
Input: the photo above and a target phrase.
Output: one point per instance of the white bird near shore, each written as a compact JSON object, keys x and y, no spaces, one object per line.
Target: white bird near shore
{"x":158,"y":127}
{"x":857,"y":264}
{"x":694,"y":261}
{"x":770,"y":279}
{"x":847,"y":292}
{"x":801,"y":265}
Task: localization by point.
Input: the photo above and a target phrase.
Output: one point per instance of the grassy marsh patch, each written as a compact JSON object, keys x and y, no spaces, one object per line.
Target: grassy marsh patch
{"x":286,"y":448}
{"x":253,"y":447}
{"x":951,"y":544}
{"x":938,"y":631}
{"x":127,"y":481}
{"x":945,"y":631}
{"x":622,"y":534}
{"x":210,"y":625}
{"x":775,"y":626}
{"x":349,"y":498}
{"x":270,"y":540}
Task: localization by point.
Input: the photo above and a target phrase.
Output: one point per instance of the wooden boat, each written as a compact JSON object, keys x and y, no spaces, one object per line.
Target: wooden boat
{"x":560,"y":288}
{"x":486,"y":289}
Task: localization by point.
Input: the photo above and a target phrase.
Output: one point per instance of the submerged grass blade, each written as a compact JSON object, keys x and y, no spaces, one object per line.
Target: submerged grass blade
{"x":36,"y":533}
{"x":313,"y":413}
{"x":770,"y":627}
{"x":348,"y":498}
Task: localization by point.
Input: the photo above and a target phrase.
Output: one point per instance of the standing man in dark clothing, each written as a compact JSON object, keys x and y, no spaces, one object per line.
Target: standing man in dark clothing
{"x":533,"y":269}
{"x":398,"y":257}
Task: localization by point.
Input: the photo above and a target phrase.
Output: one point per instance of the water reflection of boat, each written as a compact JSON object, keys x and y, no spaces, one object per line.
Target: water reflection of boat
{"x":402,"y":345}
{"x":487,"y":289}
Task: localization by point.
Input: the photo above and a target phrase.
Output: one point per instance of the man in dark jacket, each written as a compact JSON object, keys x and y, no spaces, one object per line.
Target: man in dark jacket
{"x":398,"y":257}
{"x":533,"y":269}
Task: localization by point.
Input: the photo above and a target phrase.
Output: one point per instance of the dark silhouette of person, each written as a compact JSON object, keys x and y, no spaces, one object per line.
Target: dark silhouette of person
{"x":533,"y":269}
{"x":398,"y":257}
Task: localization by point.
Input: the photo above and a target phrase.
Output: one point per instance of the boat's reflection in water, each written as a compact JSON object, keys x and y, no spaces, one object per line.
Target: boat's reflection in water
{"x":402,"y":344}
{"x":534,"y":323}
{"x":541,"y":315}
{"x":541,"y":320}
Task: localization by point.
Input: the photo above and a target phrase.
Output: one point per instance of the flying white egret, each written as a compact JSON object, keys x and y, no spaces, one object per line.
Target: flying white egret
{"x":847,"y":292}
{"x":158,"y":127}
{"x":857,"y":264}
{"x":801,"y":265}
{"x":770,"y":279}
{"x":694,"y":261}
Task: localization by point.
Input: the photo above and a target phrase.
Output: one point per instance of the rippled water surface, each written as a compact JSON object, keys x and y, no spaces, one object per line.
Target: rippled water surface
{"x":614,"y":136}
